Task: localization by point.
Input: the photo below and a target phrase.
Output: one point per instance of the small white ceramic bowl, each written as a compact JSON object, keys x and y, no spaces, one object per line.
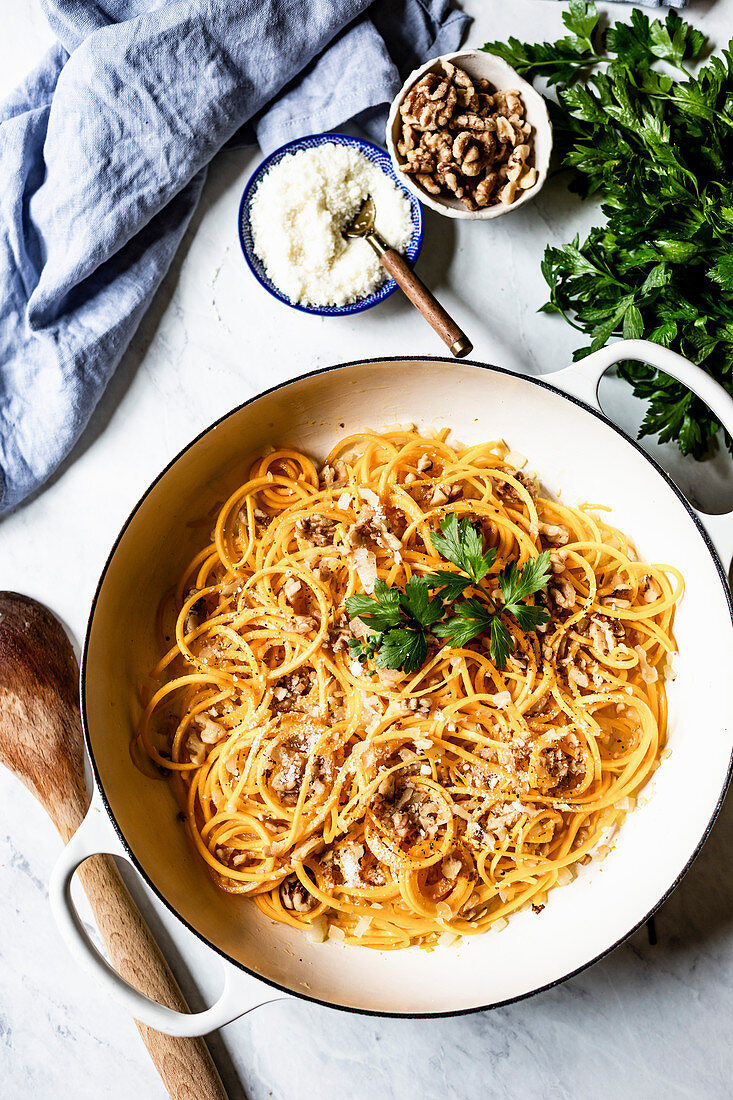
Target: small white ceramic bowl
{"x":486,"y":66}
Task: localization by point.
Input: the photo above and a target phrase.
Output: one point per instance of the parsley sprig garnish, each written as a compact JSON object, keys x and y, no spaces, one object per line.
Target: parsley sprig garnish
{"x":403,"y":621}
{"x":655,"y":144}
{"x":463,"y":545}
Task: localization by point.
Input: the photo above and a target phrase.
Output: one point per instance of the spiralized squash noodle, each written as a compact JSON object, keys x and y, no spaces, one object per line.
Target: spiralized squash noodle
{"x":386,"y":809}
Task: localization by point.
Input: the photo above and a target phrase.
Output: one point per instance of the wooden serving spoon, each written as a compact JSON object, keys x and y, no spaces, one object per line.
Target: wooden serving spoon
{"x":406,"y":279}
{"x":41,"y":742}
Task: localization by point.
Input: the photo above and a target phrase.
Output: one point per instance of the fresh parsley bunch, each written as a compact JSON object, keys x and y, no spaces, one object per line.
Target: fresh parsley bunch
{"x":403,"y":621}
{"x":655,"y":143}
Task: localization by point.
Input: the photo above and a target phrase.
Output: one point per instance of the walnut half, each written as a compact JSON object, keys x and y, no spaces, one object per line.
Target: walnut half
{"x":462,"y":139}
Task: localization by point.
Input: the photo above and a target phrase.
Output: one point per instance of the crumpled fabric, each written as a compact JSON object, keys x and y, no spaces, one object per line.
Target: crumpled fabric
{"x":103,"y":155}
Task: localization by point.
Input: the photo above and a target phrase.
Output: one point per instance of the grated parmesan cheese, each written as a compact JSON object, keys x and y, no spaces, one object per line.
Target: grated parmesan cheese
{"x":299,"y":211}
{"x":362,"y":926}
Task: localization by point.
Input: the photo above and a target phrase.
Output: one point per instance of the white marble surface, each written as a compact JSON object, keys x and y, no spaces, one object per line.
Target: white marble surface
{"x":648,"y":1021}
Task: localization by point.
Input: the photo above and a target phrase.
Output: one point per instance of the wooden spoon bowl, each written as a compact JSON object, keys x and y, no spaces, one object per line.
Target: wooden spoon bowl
{"x":41,"y":742}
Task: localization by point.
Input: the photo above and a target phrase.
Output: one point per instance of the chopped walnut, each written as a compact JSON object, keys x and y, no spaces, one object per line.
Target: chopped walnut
{"x":649,"y":674}
{"x":443,"y":493}
{"x":476,"y":123}
{"x":406,"y":810}
{"x":650,"y":590}
{"x":409,"y":140}
{"x":605,"y":634}
{"x":459,"y":137}
{"x":210,"y":731}
{"x":469,"y":154}
{"x":562,"y":592}
{"x":528,"y":179}
{"x":429,"y":104}
{"x":554,"y":534}
{"x":484,"y":192}
{"x":505,"y":131}
{"x":449,"y":175}
{"x":577,"y":676}
{"x":303,"y":624}
{"x":515,"y":165}
{"x":197,"y":613}
{"x":551,"y":767}
{"x":196,"y":748}
{"x":316,"y":530}
{"x":506,"y":492}
{"x":290,"y":689}
{"x":292,"y":588}
{"x":557,"y":561}
{"x":427,"y":182}
{"x":340,"y":634}
{"x":508,"y":103}
{"x":289,"y":757}
{"x":261,"y":519}
{"x":507,"y":192}
{"x":342,"y":630}
{"x":619,"y":587}
{"x":334,"y":477}
{"x":439,"y":144}
{"x":295,"y":897}
{"x":418,"y":705}
{"x":371,"y":527}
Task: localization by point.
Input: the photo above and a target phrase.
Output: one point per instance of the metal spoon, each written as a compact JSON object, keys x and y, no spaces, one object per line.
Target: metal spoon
{"x":41,"y":743}
{"x":431,"y":309}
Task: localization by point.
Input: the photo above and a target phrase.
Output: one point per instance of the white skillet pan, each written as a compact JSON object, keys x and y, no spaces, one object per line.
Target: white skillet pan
{"x":578,"y":453}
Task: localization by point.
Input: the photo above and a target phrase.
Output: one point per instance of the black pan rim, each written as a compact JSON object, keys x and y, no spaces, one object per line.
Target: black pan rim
{"x":285,"y":990}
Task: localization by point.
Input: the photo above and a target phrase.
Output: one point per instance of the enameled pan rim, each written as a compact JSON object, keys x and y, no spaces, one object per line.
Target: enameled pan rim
{"x":530,"y":380}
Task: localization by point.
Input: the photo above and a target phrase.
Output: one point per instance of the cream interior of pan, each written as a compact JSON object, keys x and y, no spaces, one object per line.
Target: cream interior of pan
{"x":579,"y":457}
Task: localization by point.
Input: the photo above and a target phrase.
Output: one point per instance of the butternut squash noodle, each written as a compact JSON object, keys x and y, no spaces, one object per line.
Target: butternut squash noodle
{"x":381,"y":808}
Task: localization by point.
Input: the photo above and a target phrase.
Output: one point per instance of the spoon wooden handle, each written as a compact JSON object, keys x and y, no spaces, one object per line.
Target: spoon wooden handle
{"x":41,"y":742}
{"x":185,"y":1065}
{"x":429,"y":306}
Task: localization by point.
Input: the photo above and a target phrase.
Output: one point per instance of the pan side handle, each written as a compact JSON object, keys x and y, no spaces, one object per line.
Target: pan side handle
{"x":582,"y":381}
{"x":241,"y":992}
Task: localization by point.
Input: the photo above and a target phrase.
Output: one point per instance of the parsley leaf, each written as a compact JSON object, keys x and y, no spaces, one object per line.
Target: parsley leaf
{"x":530,"y":617}
{"x":463,"y":545}
{"x":471,"y":619}
{"x":415,"y":599}
{"x":581,"y":19}
{"x":501,"y":642}
{"x":556,"y":61}
{"x":379,"y":612}
{"x":402,"y":648}
{"x":516,"y":584}
{"x":451,"y":585}
{"x":674,"y":40}
{"x":722,"y":271}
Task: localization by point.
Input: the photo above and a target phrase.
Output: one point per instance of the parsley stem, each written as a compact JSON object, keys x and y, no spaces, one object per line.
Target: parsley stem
{"x":561,"y":311}
{"x":581,"y":63}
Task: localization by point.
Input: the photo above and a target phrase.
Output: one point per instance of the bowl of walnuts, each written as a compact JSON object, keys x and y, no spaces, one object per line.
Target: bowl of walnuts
{"x":469,"y":136}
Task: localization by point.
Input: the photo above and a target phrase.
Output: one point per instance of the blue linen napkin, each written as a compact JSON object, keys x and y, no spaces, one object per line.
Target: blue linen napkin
{"x":103,"y":153}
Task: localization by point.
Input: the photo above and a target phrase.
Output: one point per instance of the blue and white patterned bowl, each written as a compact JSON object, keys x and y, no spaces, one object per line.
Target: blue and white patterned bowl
{"x":379,"y":157}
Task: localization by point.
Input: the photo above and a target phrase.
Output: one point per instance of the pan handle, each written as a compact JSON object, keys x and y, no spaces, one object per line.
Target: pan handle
{"x":582,"y":380}
{"x":241,"y":993}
